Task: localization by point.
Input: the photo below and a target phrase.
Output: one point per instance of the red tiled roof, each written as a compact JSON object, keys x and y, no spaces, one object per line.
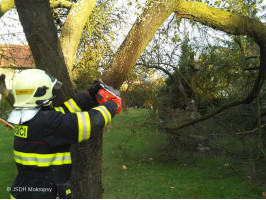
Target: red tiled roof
{"x":16,"y":56}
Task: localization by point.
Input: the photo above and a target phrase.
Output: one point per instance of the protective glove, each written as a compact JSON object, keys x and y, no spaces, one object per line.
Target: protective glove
{"x":118,"y":102}
{"x":94,"y":88}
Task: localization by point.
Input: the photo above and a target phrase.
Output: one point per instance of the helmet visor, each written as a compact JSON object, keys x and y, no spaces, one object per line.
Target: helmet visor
{"x":57,"y":85}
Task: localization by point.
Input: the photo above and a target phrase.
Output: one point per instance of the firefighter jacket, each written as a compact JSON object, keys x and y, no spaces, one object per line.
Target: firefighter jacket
{"x":41,"y":145}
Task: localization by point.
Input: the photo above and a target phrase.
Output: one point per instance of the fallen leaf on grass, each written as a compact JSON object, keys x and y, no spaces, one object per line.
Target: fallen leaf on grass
{"x":124,"y":167}
{"x":264,"y":194}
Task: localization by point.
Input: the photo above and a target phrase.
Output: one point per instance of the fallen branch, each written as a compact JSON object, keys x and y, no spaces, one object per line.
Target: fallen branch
{"x":251,"y":131}
{"x":6,"y":124}
{"x":222,"y":108}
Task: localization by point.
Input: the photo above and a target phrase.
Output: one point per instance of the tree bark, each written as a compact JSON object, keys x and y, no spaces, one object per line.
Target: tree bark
{"x":41,"y":34}
{"x":222,"y":20}
{"x":72,"y":29}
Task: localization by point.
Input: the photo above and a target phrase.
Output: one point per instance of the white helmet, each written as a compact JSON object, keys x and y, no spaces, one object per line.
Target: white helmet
{"x":33,"y":88}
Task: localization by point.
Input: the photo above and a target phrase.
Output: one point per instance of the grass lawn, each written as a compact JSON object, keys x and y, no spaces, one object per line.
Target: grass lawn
{"x":8,"y":170}
{"x":132,"y":167}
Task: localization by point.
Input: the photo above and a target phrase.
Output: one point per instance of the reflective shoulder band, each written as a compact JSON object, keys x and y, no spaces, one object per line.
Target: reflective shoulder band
{"x":105,"y":113}
{"x":42,"y":160}
{"x":72,"y":106}
{"x":84,"y":126}
{"x":59,"y":109}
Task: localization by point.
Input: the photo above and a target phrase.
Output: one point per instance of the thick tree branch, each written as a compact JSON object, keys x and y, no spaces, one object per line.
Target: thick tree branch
{"x":157,"y":67}
{"x":137,"y":40}
{"x":72,"y":29}
{"x":6,"y":5}
{"x":233,"y":24}
{"x":222,"y":20}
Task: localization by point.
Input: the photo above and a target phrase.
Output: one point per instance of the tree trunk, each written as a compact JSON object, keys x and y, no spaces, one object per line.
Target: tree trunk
{"x":87,"y":169}
{"x":41,"y":34}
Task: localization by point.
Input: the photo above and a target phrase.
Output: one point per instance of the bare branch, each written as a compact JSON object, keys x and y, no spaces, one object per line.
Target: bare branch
{"x":57,"y":19}
{"x":208,"y":116}
{"x":157,"y":67}
{"x":104,"y":39}
{"x":75,"y":22}
{"x":251,"y":131}
{"x":252,"y":57}
{"x":251,"y":68}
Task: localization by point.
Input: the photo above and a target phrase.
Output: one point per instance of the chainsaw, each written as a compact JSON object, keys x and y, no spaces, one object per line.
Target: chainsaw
{"x":106,"y":93}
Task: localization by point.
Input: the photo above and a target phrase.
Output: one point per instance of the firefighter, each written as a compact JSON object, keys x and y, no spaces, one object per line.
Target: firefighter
{"x":43,"y":134}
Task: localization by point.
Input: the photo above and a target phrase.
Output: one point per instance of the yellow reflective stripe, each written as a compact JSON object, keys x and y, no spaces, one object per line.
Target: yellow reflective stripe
{"x":59,"y":109}
{"x":24,"y":91}
{"x":11,"y":197}
{"x":42,"y":160}
{"x":84,"y":126}
{"x":68,"y":192}
{"x":105,"y":113}
{"x":72,"y":106}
